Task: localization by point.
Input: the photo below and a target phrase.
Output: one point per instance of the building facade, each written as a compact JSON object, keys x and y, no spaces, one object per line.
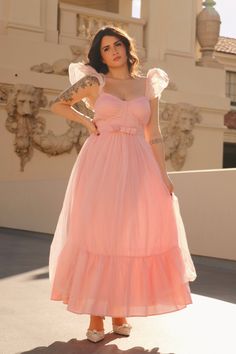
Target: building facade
{"x":40,"y":38}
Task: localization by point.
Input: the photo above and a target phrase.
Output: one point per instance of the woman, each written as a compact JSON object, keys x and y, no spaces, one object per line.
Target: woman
{"x":119,"y":247}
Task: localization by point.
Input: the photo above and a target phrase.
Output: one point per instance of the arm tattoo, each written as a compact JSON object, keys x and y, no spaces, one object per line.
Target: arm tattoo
{"x":67,"y":95}
{"x":156,"y":140}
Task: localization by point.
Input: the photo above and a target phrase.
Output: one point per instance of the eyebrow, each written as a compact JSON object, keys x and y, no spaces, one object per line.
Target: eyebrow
{"x":106,"y":46}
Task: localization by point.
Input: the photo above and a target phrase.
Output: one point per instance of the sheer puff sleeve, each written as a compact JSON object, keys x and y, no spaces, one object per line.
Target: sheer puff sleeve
{"x":157,"y":81}
{"x":79,"y":70}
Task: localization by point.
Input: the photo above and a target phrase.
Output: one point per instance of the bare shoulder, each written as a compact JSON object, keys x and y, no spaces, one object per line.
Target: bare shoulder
{"x":140,"y":82}
{"x":140,"y":77}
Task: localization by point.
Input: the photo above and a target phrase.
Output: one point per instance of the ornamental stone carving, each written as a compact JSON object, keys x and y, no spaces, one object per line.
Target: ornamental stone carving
{"x":3,"y":94}
{"x":177,"y":123}
{"x":22,"y":105}
{"x":60,"y":66}
{"x":230,"y":119}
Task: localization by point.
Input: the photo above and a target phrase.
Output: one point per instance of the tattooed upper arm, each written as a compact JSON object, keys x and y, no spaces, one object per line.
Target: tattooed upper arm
{"x":75,"y":93}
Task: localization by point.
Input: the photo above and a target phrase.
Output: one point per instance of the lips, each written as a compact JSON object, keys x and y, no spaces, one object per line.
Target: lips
{"x":117,"y":58}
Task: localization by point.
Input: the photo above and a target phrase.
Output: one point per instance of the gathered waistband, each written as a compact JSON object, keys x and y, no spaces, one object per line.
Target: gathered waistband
{"x":117,"y":128}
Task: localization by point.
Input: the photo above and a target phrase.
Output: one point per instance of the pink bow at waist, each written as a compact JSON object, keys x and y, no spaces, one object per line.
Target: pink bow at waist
{"x":120,"y":129}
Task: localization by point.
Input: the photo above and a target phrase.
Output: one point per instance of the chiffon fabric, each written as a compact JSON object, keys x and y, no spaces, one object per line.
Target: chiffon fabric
{"x":120,"y":247}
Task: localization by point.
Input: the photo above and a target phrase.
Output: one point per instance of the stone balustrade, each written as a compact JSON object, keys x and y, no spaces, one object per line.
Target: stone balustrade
{"x":78,"y":24}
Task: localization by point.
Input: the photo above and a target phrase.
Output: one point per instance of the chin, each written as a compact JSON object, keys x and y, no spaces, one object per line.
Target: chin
{"x":118,"y":64}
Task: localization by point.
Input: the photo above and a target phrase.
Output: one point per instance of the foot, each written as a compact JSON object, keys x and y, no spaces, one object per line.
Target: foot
{"x":124,"y":330}
{"x":96,"y":322}
{"x":95,"y":332}
{"x":121,"y":326}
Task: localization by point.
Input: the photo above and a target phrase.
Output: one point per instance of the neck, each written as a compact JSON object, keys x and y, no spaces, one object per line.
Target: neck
{"x":119,"y":73}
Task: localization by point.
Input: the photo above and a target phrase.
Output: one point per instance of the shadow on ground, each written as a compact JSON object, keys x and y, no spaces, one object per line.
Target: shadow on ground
{"x":30,"y":251}
{"x":75,"y":346}
{"x":216,"y":278}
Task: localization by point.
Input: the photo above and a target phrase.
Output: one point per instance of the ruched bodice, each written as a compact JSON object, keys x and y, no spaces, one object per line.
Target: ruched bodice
{"x":111,"y":111}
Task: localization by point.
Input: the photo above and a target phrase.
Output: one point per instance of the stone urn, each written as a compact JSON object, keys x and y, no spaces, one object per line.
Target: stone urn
{"x":208,"y":29}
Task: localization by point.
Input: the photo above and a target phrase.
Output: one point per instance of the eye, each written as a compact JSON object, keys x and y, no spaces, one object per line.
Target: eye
{"x":118,"y":43}
{"x":106,"y":49}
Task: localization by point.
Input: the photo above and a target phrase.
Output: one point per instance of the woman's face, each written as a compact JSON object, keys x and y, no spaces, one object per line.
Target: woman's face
{"x":113,"y":52}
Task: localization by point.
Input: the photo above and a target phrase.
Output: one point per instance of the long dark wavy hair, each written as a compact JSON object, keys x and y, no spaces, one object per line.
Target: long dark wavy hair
{"x":94,"y":54}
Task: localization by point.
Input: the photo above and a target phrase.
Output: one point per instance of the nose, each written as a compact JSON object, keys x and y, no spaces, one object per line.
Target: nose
{"x":26,"y":107}
{"x":115,"y":51}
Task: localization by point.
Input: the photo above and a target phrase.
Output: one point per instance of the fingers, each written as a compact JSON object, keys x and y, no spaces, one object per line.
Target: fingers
{"x":96,"y":131}
{"x":93,"y":128}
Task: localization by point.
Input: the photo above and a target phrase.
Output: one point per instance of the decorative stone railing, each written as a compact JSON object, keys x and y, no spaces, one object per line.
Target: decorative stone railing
{"x":78,"y":24}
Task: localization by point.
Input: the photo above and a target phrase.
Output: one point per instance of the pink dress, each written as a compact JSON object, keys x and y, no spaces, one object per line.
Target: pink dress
{"x":120,"y":247}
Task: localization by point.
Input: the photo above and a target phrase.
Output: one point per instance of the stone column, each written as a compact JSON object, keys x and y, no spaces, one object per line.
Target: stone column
{"x":125,"y":8}
{"x":170,"y":28}
{"x":181,"y":36}
{"x":3,"y":15}
{"x":156,"y":15}
{"x":51,"y":17}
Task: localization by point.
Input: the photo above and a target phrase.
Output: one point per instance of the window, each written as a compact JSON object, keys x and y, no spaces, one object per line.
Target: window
{"x":231,"y":86}
{"x":229,"y":155}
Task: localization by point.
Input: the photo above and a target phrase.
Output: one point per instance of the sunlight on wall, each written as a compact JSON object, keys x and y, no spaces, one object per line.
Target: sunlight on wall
{"x":226,"y":9}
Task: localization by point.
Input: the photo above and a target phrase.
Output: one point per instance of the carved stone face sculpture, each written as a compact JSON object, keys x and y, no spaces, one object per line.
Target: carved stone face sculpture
{"x":186,"y":121}
{"x":25,"y":104}
{"x":179,"y":120}
{"x":25,"y":100}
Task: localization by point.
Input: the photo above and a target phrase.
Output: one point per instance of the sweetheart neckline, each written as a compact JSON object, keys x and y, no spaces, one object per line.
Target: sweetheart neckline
{"x":120,"y":99}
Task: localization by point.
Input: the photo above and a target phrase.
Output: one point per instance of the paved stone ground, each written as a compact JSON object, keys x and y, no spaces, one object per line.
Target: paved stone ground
{"x":31,"y":323}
